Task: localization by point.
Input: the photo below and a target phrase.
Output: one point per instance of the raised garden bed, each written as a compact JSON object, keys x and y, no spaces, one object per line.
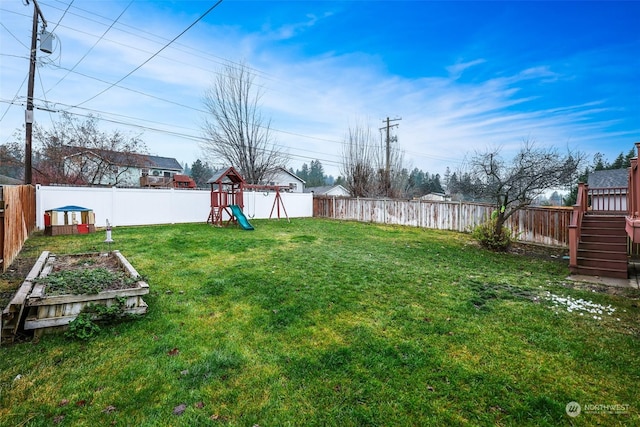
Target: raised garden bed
{"x":58,"y":288}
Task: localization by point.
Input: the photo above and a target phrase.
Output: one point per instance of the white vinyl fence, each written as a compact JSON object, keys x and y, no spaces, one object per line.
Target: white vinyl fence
{"x":147,"y":206}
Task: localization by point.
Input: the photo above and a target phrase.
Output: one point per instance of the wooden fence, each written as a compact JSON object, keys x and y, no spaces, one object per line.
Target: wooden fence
{"x":17,"y":220}
{"x":547,"y":226}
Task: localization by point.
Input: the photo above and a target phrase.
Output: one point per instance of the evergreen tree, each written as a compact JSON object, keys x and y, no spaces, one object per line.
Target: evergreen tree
{"x":303,"y":174}
{"x":618,"y":163}
{"x":630,"y":155}
{"x":599,"y":163}
{"x":447,"y":177}
{"x":315,"y":177}
{"x":453,"y":186}
{"x":437,"y":187}
{"x":201,"y":173}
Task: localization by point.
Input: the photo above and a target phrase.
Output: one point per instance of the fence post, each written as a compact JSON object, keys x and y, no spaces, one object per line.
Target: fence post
{"x":114,"y":220}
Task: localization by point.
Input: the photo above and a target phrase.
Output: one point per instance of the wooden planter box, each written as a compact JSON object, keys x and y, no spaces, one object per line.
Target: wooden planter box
{"x":46,"y":313}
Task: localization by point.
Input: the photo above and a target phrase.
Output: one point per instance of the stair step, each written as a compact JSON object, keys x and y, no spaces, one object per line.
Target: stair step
{"x":622,"y":233}
{"x":618,"y":265}
{"x":592,"y":271}
{"x":603,"y":255}
{"x":603,"y":246}
{"x":590,"y":238}
{"x":604,"y":219}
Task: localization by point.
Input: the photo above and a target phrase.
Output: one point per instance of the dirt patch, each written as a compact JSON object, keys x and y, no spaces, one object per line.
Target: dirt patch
{"x":11,"y":279}
{"x":85,"y":262}
{"x":552,"y":253}
{"x":603,"y":289}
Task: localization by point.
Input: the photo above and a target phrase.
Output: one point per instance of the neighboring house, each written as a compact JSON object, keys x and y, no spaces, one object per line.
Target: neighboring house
{"x":328,"y":190}
{"x":283,"y":178}
{"x":105,"y":167}
{"x":608,"y":190}
{"x":183,"y":181}
{"x":7,"y":180}
{"x":435,"y":197}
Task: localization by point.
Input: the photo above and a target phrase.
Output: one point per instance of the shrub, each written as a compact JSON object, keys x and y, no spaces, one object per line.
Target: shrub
{"x":488,"y":237}
{"x":85,"y":325}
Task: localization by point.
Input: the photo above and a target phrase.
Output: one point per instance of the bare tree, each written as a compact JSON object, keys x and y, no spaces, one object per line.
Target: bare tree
{"x":359,"y":165}
{"x":12,"y":160}
{"x":398,"y":174}
{"x":78,"y":152}
{"x":235,"y":130}
{"x":514,"y":185}
{"x":364,"y":165}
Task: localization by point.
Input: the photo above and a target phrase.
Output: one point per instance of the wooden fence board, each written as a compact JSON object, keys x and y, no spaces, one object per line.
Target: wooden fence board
{"x":548,"y":226}
{"x":17,"y":221}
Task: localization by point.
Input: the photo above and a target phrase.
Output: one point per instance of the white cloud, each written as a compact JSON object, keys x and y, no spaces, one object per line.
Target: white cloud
{"x":312,"y":99}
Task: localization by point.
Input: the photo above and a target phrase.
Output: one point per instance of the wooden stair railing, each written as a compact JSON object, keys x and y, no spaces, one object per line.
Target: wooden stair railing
{"x":579,"y":209}
{"x":632,"y":219}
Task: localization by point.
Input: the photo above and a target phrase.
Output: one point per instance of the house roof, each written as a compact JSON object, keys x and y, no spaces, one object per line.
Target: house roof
{"x":69,"y":208}
{"x":324,"y":189}
{"x":613,"y":178}
{"x":290,"y":174}
{"x":225,"y":175}
{"x":7,"y":180}
{"x":182,"y":178}
{"x":128,"y":159}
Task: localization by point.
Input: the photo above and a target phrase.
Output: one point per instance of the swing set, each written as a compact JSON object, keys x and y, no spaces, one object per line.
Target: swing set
{"x":227,"y":199}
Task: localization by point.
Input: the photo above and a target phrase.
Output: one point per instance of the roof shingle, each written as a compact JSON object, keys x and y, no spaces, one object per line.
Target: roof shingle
{"x":613,"y":178}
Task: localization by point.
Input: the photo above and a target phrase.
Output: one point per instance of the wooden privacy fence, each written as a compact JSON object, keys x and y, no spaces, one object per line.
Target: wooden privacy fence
{"x":548,"y":226}
{"x":17,"y":220}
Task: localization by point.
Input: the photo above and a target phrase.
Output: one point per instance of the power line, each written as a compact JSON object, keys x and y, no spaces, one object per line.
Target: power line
{"x":137,"y":31}
{"x":155,"y":54}
{"x":13,"y":35}
{"x":91,"y":48}
{"x":194,"y":138}
{"x":62,"y":17}
{"x":341,"y":142}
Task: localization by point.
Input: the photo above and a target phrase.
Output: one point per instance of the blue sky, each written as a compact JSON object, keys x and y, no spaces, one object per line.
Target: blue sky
{"x":463,"y":76}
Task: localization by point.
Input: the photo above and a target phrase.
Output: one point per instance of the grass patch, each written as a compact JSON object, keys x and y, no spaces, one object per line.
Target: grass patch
{"x":319,"y":322}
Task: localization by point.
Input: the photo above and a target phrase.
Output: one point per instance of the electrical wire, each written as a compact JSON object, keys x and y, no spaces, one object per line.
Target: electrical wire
{"x":91,"y":48}
{"x":173,"y":102}
{"x":62,"y":17}
{"x":154,"y":55}
{"x":227,"y":61}
{"x":14,"y":36}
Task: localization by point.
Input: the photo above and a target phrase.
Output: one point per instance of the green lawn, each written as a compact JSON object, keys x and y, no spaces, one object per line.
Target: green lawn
{"x":319,"y":322}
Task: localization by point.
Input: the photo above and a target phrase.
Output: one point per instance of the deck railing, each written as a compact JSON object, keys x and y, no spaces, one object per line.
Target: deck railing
{"x":605,"y":201}
{"x":155,"y":181}
{"x":579,"y":209}
{"x":633,"y":214}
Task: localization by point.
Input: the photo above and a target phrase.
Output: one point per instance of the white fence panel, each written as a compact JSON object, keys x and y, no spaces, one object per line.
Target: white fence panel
{"x":143,"y":206}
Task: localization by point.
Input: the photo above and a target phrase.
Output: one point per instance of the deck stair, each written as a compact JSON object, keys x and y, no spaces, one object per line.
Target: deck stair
{"x":602,"y":250}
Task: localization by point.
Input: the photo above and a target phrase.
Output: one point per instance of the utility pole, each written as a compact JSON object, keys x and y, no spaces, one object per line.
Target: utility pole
{"x":32,"y":72}
{"x":387,"y":169}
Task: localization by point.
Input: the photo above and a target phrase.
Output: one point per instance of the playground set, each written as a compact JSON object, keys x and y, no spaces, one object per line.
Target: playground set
{"x":227,"y":199}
